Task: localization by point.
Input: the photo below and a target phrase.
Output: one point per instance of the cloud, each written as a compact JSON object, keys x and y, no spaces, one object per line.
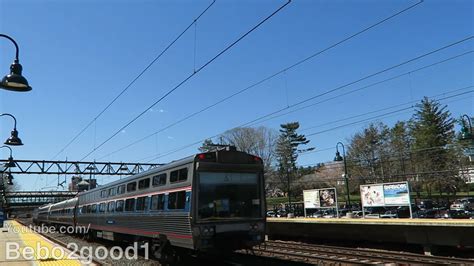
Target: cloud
{"x":170,"y":137}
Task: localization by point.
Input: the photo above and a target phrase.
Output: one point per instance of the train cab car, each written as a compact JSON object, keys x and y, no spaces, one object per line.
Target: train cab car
{"x":229,"y":201}
{"x":212,"y":201}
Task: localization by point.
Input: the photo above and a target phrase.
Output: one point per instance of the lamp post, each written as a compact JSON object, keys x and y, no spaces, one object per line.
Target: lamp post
{"x":13,"y":140}
{"x":14,"y":81}
{"x":7,"y":165}
{"x":11,"y":162}
{"x":338,"y":158}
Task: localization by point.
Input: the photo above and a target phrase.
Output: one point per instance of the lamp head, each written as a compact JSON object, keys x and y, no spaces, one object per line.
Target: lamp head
{"x":14,"y":140}
{"x":10,"y":163}
{"x":15,"y":81}
{"x":338,"y":157}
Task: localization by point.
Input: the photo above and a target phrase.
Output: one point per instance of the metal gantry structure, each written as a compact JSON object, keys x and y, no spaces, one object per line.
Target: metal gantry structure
{"x":43,"y":167}
{"x":29,"y":199}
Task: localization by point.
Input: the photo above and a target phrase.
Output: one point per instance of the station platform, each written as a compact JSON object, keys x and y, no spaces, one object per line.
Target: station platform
{"x":426,"y":232}
{"x":20,"y":246}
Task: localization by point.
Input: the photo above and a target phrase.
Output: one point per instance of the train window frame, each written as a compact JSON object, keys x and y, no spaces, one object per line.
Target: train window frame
{"x":143,"y":184}
{"x":110,"y":206}
{"x":179,"y":175}
{"x":121,"y":189}
{"x":132,"y":186}
{"x":112,"y":191}
{"x":104,"y":193}
{"x":132,"y":205}
{"x":102,"y":207}
{"x":160,"y":202}
{"x":158,"y":180}
{"x":94,"y":208}
{"x":141,"y":204}
{"x":177,"y":200}
{"x":122,"y":205}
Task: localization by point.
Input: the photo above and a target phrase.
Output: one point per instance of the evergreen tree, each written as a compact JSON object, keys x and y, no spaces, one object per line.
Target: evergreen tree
{"x":287,"y":149}
{"x":432,"y":131}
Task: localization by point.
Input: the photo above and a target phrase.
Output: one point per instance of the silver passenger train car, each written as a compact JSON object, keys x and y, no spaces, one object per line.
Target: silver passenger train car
{"x":212,"y":201}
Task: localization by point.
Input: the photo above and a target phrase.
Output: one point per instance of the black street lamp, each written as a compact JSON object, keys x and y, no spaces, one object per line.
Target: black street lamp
{"x":338,"y":158}
{"x":11,"y":162}
{"x":14,"y":81}
{"x":466,"y":130}
{"x":13,"y":140}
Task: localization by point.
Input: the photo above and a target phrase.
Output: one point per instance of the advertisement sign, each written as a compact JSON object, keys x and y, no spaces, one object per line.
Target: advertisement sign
{"x":396,"y":194}
{"x":327,"y":198}
{"x":320,"y":198}
{"x":372,"y":195}
{"x":311,"y":199}
{"x":387,"y":194}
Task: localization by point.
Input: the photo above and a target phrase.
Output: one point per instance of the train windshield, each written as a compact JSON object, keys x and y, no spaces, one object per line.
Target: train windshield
{"x":228,"y":195}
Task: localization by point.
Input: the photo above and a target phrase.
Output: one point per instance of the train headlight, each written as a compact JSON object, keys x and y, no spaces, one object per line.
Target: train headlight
{"x":206,"y":230}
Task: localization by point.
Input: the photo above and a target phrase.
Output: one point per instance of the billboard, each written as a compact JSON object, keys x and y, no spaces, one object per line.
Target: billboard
{"x":320,"y":198}
{"x":387,"y":194}
{"x":396,"y":194}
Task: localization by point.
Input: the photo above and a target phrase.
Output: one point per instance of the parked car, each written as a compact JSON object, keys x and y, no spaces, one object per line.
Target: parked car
{"x":271,"y":214}
{"x":463,"y":204}
{"x":389,"y":214}
{"x":427,"y":204}
{"x":458,"y":214}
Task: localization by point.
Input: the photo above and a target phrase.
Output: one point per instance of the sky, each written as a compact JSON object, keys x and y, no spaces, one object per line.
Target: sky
{"x":79,"y":55}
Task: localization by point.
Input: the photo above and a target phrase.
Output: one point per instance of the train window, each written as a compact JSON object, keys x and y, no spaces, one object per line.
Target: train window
{"x":129,"y":205}
{"x":179,"y":175}
{"x":119,"y":206}
{"x":144,"y":183}
{"x":131,"y":186}
{"x":102,"y":207}
{"x":177,"y":200}
{"x":111,"y":206}
{"x":159,"y":180}
{"x":121,"y":189}
{"x":142,"y":204}
{"x":158,"y":202}
{"x":94,"y":208}
{"x":88,"y":208}
{"x":112,"y":191}
{"x":103,"y":194}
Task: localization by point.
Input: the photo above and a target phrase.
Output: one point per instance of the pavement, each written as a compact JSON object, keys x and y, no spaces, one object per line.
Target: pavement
{"x":20,"y":246}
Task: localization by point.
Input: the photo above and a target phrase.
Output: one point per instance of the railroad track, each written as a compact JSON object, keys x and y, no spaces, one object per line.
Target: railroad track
{"x":321,"y":254}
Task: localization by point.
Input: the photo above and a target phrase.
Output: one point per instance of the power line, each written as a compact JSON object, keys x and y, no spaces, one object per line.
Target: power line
{"x":327,"y":92}
{"x":188,"y":78}
{"x":365,"y":87}
{"x":134,"y":80}
{"x":282,"y":71}
{"x":382,"y":115}
{"x":365,"y":120}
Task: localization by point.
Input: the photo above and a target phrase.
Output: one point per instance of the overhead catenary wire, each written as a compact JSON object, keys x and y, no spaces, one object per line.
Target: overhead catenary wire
{"x":328,"y":130}
{"x":327,"y":92}
{"x":135,"y":79}
{"x":186,"y":79}
{"x":365,"y":87}
{"x":277,"y":73}
{"x":382,"y":115}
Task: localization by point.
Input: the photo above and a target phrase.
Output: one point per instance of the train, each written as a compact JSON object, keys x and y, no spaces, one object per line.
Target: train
{"x":208,"y":202}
